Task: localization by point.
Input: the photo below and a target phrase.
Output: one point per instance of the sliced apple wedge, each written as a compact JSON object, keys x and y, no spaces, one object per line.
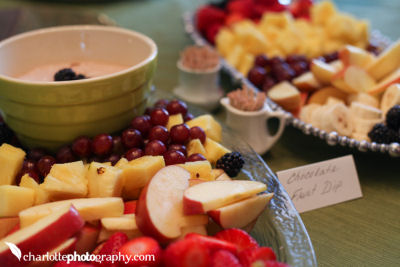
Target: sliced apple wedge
{"x":385,"y":83}
{"x":7,"y":224}
{"x":306,"y":82}
{"x":358,"y":79}
{"x":242,"y":213}
{"x":212,"y":195}
{"x":352,"y":55}
{"x":286,"y":95}
{"x":159,"y":208}
{"x":87,"y":239}
{"x":322,"y":71}
{"x":386,"y":63}
{"x":42,"y":236}
{"x":194,"y":220}
{"x":89,"y":208}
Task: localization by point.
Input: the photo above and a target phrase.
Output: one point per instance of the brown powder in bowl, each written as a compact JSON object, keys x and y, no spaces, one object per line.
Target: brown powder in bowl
{"x":199,"y":58}
{"x":247,"y":99}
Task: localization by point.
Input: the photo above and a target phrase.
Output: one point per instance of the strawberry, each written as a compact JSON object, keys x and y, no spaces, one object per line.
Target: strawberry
{"x":224,"y":258}
{"x":72,"y":264}
{"x":141,"y":246}
{"x":111,"y":247}
{"x":187,"y":253}
{"x":249,"y":256}
{"x":243,"y":7}
{"x":240,"y":238}
{"x":213,"y":243}
{"x":212,"y":32}
{"x":130,"y":207}
{"x":207,"y":16}
{"x":301,"y":8}
{"x":233,"y":18}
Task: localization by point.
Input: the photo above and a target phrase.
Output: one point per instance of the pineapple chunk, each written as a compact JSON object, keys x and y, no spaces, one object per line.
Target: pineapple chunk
{"x":210,"y":126}
{"x":66,"y":181}
{"x":195,"y":146}
{"x":138,"y":172}
{"x":104,"y":180}
{"x":125,"y":222}
{"x":174,"y":120}
{"x":11,"y":159}
{"x":246,"y":63}
{"x":41,"y":196}
{"x":322,"y":12}
{"x":121,"y":162}
{"x":199,"y":169}
{"x":13,"y":199}
{"x":214,"y":150}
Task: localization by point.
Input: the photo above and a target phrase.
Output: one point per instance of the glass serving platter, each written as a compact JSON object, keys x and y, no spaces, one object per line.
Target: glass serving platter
{"x":331,"y":138}
{"x":280,"y":225}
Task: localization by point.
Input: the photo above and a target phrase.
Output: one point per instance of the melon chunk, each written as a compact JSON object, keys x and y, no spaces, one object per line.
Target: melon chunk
{"x":11,"y":159}
{"x":210,"y":126}
{"x":14,"y":198}
{"x":90,"y":209}
{"x":138,"y":172}
{"x":104,"y":181}
{"x":214,"y":150}
{"x":41,"y":196}
{"x":199,"y":169}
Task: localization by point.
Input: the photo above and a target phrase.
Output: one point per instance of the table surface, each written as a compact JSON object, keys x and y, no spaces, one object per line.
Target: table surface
{"x":362,"y":232}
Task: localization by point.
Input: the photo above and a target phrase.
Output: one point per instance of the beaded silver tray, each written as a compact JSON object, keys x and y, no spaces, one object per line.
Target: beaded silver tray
{"x":331,"y":138}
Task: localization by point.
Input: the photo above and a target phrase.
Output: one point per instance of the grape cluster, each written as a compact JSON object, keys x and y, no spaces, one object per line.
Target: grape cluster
{"x":146,"y":135}
{"x":267,"y":72}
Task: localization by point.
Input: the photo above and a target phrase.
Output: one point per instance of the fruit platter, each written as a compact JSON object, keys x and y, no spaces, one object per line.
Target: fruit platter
{"x":330,"y":75}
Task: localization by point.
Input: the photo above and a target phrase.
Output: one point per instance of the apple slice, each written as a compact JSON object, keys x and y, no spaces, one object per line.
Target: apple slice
{"x":285,"y":95}
{"x":7,"y":224}
{"x":352,"y":55}
{"x":306,"y":82}
{"x":386,"y":63}
{"x":242,"y":213}
{"x":199,"y":229}
{"x":385,"y":83}
{"x":87,"y":239}
{"x":358,"y":79}
{"x":89,"y":208}
{"x":66,"y":247}
{"x":223,"y":177}
{"x":42,"y":236}
{"x":212,"y":195}
{"x":159,"y":208}
{"x":322,"y":71}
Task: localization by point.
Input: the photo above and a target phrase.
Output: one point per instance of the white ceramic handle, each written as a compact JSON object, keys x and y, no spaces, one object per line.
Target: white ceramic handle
{"x":271,"y":139}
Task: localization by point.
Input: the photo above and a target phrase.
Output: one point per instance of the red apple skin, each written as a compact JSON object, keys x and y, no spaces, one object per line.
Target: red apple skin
{"x":144,"y":222}
{"x":46,"y":238}
{"x":191,"y":207}
{"x":215,"y":215}
{"x":87,"y":239}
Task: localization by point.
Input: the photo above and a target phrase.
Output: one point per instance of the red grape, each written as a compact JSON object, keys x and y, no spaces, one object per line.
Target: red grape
{"x":177,"y":106}
{"x":268,"y":83}
{"x":196,"y":157}
{"x":132,"y":138}
{"x":162,"y":103}
{"x":261,"y":61}
{"x":134,"y":153}
{"x":180,"y":133}
{"x":82,"y":146}
{"x":44,"y":165}
{"x":159,"y":116}
{"x":28,"y":167}
{"x":256,"y":76}
{"x":276,"y":61}
{"x":159,"y":132}
{"x":118,"y":148}
{"x":113,"y":158}
{"x":148,"y":111}
{"x":283,"y":72}
{"x":155,"y":148}
{"x":331,"y":57}
{"x":177,"y":147}
{"x":36,"y":153}
{"x":188,"y":117}
{"x":65,"y":155}
{"x":174,"y":157}
{"x":102,"y":144}
{"x":142,"y":124}
{"x":299,"y":67}
{"x":295,"y":58}
{"x":197,"y":132}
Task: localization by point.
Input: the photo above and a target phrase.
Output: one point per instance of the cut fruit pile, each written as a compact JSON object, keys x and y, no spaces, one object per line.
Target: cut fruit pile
{"x":82,"y":205}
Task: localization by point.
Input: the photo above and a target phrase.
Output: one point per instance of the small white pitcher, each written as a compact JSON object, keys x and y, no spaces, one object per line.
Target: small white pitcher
{"x":199,"y":87}
{"x":252,"y":125}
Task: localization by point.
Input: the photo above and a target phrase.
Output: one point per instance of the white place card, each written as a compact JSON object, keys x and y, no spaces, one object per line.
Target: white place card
{"x":321,"y":184}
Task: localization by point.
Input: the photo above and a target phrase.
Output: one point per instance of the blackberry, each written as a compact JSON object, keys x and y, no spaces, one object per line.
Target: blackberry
{"x":6,"y":135}
{"x":67,"y":74}
{"x":231,"y":163}
{"x":393,"y":118}
{"x":380,"y":133}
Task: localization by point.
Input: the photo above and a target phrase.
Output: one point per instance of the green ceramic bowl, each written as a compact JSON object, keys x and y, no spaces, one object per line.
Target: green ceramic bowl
{"x":49,"y":114}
